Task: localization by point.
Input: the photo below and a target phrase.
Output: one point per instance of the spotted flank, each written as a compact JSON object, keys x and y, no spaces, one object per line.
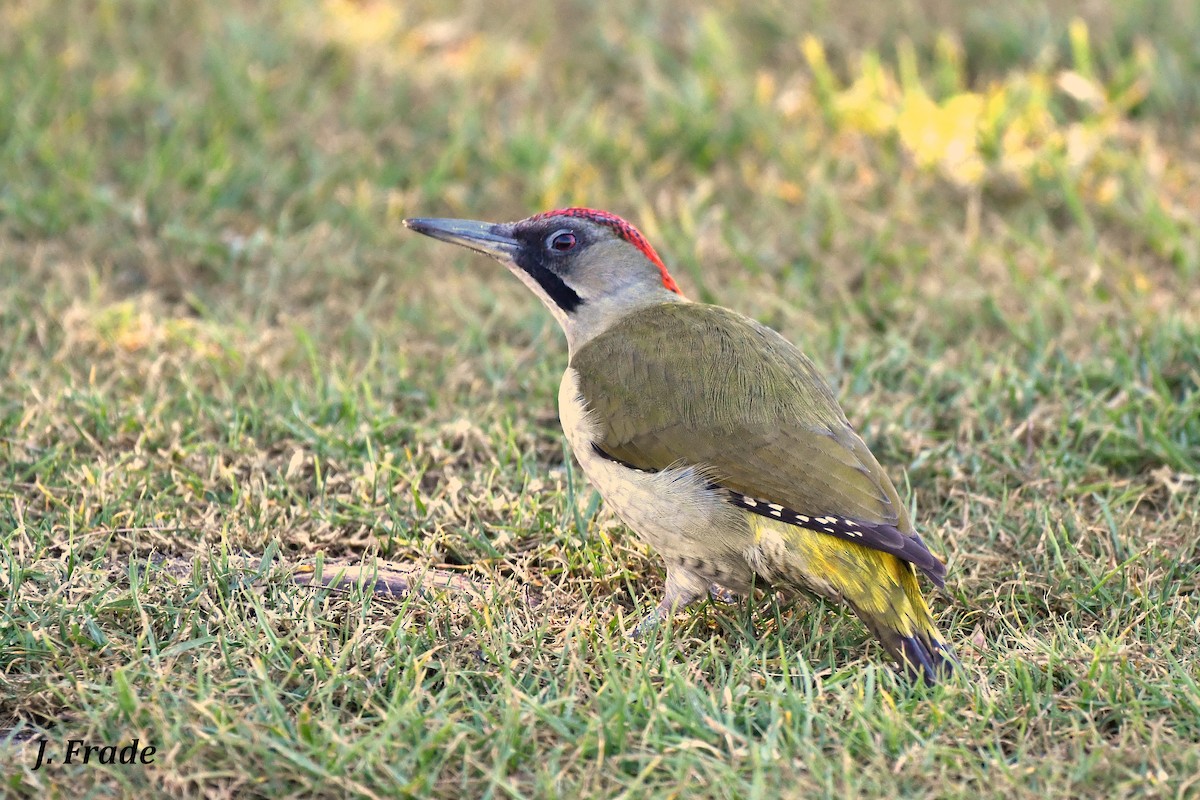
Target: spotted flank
{"x":877,"y":536}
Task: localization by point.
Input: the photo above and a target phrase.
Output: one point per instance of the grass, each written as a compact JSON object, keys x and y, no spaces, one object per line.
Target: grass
{"x":227,"y":365}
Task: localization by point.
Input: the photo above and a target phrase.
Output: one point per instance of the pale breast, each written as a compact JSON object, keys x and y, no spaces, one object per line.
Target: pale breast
{"x":675,"y":511}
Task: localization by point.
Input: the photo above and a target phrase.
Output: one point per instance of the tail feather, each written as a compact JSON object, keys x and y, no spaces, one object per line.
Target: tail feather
{"x":880,"y":587}
{"x":903,"y":625}
{"x":922,"y":656}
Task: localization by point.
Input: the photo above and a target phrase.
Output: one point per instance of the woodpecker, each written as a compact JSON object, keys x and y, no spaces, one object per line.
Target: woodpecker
{"x":714,"y":438}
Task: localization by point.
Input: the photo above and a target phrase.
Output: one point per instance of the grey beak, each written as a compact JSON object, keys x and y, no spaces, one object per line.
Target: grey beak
{"x":495,"y":240}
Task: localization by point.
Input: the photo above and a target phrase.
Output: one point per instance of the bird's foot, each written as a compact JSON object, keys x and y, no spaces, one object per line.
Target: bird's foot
{"x":648,"y":623}
{"x":720,"y":594}
{"x":682,"y":589}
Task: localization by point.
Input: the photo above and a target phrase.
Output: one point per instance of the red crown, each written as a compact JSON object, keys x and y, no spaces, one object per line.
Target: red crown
{"x":622,"y":229}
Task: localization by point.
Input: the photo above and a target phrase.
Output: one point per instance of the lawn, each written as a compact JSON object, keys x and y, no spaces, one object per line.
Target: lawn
{"x":228,"y":369}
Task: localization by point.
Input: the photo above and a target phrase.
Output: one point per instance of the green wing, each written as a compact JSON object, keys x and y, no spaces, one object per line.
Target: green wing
{"x":686,"y":383}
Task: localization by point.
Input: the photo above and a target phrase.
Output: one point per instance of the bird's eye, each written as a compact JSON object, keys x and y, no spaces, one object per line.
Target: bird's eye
{"x":561,"y":241}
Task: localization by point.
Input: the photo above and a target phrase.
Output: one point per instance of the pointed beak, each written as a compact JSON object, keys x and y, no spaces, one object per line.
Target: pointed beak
{"x":495,"y":240}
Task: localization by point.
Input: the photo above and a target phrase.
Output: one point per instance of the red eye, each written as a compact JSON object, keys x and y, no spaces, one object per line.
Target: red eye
{"x":562,"y":241}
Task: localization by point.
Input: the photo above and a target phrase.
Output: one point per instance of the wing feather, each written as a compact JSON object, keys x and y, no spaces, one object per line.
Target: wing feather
{"x":746,"y":405}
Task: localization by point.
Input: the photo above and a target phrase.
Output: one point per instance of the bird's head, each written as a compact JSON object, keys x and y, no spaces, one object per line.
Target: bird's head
{"x":590,"y":268}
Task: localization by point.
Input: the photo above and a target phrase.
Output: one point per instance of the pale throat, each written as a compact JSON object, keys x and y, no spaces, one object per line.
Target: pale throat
{"x":597,"y":314}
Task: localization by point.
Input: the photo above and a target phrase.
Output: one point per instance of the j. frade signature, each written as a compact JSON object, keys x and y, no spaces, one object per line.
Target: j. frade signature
{"x":80,"y":752}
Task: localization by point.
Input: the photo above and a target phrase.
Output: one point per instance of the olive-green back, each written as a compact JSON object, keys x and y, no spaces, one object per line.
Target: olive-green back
{"x":702,"y":385}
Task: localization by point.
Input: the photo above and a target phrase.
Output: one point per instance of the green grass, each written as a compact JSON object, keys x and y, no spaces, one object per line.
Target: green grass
{"x":224,"y":359}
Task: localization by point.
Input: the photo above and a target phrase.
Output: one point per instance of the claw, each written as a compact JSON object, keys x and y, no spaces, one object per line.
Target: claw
{"x":720,"y":594}
{"x":648,"y":623}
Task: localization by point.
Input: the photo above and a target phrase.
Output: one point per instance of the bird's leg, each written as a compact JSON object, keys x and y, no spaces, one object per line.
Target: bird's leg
{"x":683,"y":587}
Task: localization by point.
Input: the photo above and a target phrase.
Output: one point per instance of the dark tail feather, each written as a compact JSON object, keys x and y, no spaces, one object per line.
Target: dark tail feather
{"x":922,"y":655}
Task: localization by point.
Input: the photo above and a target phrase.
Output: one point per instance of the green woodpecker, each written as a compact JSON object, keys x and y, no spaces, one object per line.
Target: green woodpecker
{"x":712,"y":436}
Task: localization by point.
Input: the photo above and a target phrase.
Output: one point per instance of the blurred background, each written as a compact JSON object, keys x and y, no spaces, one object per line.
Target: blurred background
{"x":981,"y":220}
{"x":262,"y":155}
